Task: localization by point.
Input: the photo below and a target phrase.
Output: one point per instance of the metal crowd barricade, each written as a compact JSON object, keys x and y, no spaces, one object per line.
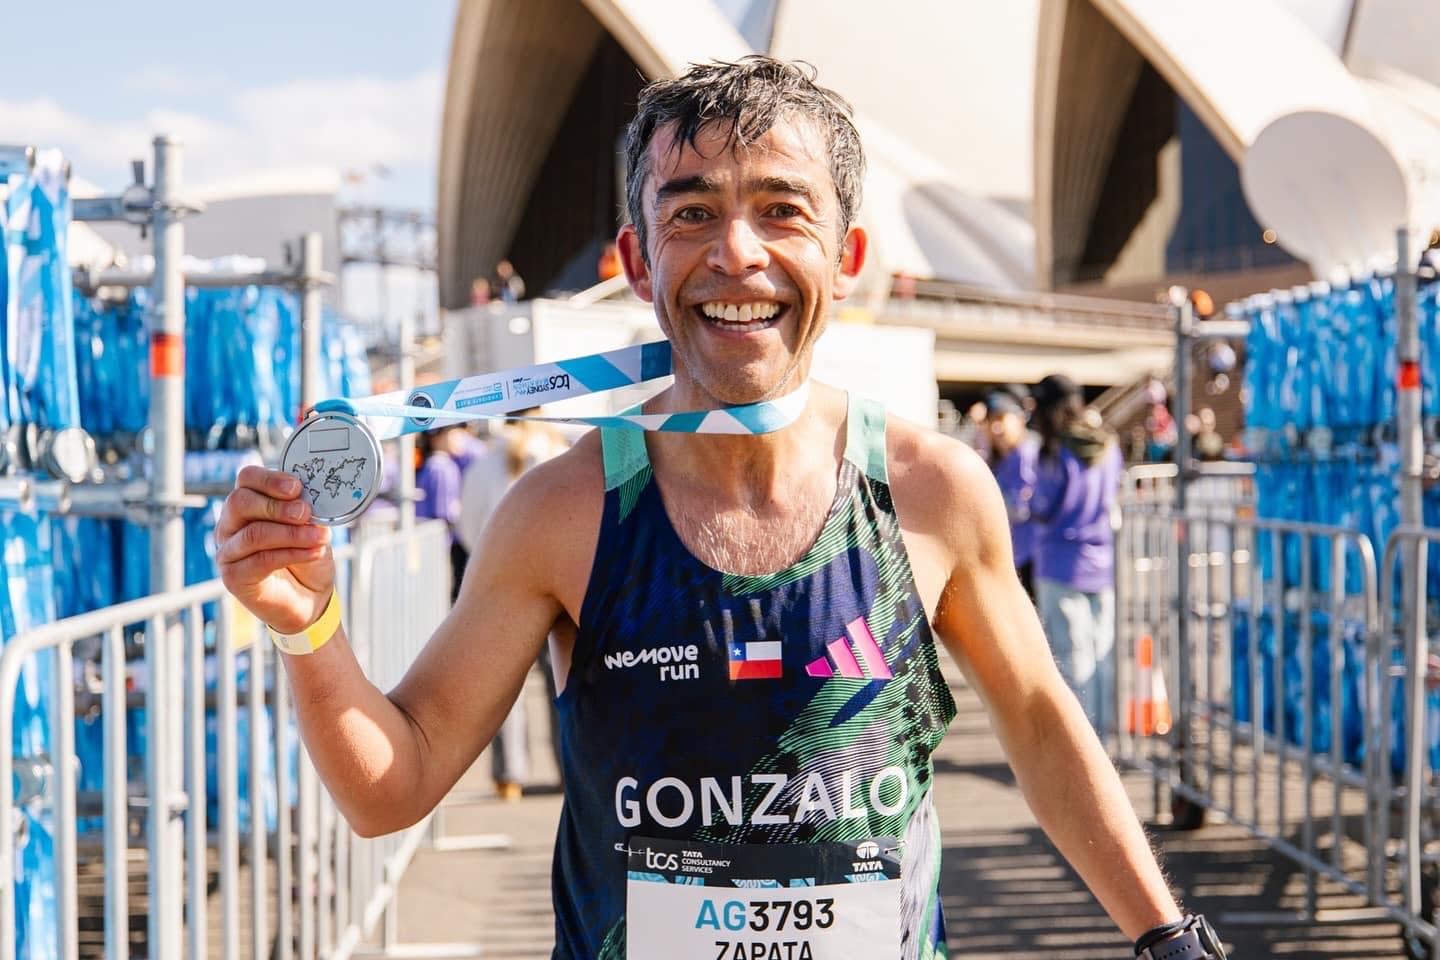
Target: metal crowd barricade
{"x":1417,"y":798}
{"x":1271,"y":606}
{"x":301,"y":883}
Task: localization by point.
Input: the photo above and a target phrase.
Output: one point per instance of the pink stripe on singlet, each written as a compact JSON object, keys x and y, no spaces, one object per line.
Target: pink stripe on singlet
{"x":859,"y":631}
{"x":820,"y":668}
{"x":845,"y":659}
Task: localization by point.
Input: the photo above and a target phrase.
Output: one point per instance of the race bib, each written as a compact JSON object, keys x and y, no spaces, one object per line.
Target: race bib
{"x":813,"y":901}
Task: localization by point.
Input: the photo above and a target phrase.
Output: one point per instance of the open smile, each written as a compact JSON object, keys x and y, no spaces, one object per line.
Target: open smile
{"x":749,"y":317}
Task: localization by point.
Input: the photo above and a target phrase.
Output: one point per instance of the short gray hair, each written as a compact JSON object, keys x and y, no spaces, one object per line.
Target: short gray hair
{"x":749,"y":97}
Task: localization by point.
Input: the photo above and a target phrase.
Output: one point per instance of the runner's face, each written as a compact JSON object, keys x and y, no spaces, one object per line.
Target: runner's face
{"x":745,"y":258}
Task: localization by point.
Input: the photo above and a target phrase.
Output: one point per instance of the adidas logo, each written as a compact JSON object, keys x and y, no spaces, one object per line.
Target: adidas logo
{"x":840,"y":656}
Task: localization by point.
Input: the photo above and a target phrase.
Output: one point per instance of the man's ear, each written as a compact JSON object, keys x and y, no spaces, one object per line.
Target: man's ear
{"x":853,"y":251}
{"x":633,"y":260}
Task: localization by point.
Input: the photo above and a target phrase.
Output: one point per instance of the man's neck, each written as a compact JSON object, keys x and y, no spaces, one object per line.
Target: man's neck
{"x":750,"y":469}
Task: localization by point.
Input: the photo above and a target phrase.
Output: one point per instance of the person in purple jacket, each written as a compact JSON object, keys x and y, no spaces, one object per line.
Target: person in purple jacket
{"x":1077,"y":477}
{"x":1012,"y":454}
{"x":444,"y":452}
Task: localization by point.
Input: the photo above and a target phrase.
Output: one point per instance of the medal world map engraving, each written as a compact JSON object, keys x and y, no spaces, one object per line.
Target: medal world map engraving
{"x":337,"y":461}
{"x":319,"y":474}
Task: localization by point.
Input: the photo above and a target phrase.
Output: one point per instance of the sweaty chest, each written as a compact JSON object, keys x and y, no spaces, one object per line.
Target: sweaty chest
{"x":749,"y":539}
{"x":744,"y":542}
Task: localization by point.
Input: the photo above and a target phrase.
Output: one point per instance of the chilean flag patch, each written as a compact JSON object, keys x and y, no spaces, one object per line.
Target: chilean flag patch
{"x":759,"y":660}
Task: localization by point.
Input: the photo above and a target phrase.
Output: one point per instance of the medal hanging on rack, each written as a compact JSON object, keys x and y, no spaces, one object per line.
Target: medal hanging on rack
{"x":336,"y":452}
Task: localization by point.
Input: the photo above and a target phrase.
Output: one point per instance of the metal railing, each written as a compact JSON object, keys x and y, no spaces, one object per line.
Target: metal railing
{"x":301,"y":884}
{"x":1418,"y":798}
{"x":1239,"y":744}
{"x":1283,"y":659}
{"x":1050,"y":308}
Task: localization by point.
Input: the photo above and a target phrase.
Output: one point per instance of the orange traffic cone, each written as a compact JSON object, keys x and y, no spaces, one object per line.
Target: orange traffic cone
{"x":1148,"y":714}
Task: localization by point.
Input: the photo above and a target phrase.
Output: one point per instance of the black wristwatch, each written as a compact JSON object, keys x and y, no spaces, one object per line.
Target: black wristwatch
{"x":1188,"y":939}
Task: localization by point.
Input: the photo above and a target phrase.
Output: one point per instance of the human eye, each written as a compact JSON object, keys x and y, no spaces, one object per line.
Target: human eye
{"x":692,"y":214}
{"x":785,"y":211}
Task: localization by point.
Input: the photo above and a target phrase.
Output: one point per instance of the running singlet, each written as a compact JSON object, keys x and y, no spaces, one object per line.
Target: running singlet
{"x":793,"y":711}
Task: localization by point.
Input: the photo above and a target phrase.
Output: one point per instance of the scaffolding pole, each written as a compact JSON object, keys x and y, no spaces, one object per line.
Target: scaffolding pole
{"x":167,"y":375}
{"x":1413,"y":559}
{"x":1188,"y":332}
{"x":167,"y":551}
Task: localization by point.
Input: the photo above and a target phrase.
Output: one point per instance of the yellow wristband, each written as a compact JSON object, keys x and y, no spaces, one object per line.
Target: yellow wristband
{"x":316,"y":635}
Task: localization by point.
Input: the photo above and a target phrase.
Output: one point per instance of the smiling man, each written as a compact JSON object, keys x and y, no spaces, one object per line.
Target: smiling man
{"x":743,"y":628}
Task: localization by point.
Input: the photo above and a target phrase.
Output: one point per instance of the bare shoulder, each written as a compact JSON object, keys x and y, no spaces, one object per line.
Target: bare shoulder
{"x":944,"y":491}
{"x":931,"y":473}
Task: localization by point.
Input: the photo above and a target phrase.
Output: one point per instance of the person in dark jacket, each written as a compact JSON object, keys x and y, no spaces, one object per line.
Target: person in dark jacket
{"x":1077,"y":477}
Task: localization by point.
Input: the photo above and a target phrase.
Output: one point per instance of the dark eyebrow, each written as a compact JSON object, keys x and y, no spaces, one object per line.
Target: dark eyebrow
{"x":698,"y":183}
{"x":799,"y":188}
{"x":706,"y":184}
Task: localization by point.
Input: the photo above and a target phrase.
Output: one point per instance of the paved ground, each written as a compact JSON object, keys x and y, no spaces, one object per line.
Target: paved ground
{"x":1007,"y":893}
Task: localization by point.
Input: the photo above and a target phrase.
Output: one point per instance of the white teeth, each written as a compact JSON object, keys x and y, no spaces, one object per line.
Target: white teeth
{"x":739,"y":313}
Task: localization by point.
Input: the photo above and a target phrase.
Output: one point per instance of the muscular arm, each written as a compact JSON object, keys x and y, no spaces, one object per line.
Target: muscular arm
{"x":946,"y":495}
{"x":388,"y":759}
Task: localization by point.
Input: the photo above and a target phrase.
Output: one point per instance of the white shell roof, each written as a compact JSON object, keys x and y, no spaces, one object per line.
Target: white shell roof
{"x":1247,"y":68}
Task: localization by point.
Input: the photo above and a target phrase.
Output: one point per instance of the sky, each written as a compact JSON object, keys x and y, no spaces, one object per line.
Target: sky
{"x":260,"y":86}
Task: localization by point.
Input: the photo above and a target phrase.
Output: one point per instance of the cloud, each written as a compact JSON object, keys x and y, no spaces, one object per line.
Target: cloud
{"x":342,"y":123}
{"x":43,"y":122}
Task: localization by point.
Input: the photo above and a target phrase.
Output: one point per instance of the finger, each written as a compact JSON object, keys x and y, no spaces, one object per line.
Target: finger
{"x":256,"y":567}
{"x":260,"y":536}
{"x":245,"y":505}
{"x":274,"y":483}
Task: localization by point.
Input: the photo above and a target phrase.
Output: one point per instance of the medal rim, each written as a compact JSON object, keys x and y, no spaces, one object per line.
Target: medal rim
{"x":374,"y":448}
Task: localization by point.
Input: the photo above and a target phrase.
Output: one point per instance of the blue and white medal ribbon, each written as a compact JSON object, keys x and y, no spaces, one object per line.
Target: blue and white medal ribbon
{"x":336,"y":453}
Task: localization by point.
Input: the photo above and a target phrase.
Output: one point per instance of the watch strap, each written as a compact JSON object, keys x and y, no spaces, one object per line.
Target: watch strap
{"x":313,"y":637}
{"x":1192,"y":940}
{"x":1182,"y":946}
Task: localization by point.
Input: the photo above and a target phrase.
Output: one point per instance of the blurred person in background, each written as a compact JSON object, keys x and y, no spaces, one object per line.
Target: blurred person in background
{"x":972,"y":430}
{"x":479,"y":292}
{"x":1160,"y":426}
{"x":514,"y":447}
{"x":1137,"y":445}
{"x":444,"y":454}
{"x":1012,"y":452}
{"x":508,"y":286}
{"x":1021,"y":393}
{"x":1207,"y":442}
{"x":1077,"y":477}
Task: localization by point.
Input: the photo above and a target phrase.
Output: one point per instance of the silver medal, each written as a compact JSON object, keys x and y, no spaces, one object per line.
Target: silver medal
{"x":338,"y":460}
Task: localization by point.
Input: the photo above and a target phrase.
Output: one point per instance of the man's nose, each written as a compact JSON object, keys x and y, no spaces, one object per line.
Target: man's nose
{"x":739,"y":249}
